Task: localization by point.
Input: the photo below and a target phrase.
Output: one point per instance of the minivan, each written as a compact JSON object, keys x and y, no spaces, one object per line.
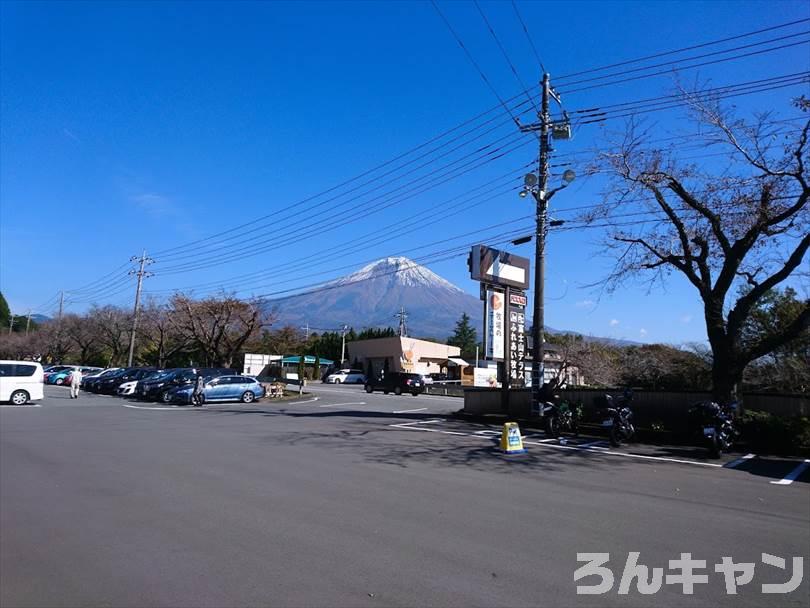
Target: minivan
{"x":21,"y":381}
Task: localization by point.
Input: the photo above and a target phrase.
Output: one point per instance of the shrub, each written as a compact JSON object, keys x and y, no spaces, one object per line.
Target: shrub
{"x":776,"y":434}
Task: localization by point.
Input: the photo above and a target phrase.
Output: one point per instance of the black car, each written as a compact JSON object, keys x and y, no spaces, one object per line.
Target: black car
{"x":156,"y":388}
{"x":397,"y":383}
{"x":89,"y":383}
{"x":109,"y":385}
{"x":97,"y":385}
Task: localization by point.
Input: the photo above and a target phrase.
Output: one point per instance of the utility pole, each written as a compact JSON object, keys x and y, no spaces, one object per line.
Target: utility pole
{"x":539,"y":311}
{"x":539,"y":189}
{"x":141,"y":274}
{"x":10,"y":323}
{"x":344,"y":329}
{"x":28,"y":322}
{"x":306,"y":329}
{"x":402,"y":315}
{"x":61,"y":307}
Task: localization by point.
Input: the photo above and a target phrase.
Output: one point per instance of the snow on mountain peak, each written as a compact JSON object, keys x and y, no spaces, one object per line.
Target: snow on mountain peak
{"x":401,"y":270}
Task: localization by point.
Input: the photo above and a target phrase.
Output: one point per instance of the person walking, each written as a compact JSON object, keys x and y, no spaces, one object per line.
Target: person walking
{"x":75,"y":383}
{"x":197,"y":395}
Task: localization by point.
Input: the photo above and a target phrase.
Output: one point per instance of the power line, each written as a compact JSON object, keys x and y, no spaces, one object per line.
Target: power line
{"x":688,"y":67}
{"x":528,"y":37}
{"x":674,"y":62}
{"x":329,"y":224}
{"x":482,"y":152}
{"x":505,"y":55}
{"x":384,"y":231}
{"x":681,"y":50}
{"x":474,"y":62}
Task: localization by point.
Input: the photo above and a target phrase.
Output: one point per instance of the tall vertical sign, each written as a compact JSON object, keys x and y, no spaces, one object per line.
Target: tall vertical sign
{"x":495,"y":307}
{"x":517,"y":338}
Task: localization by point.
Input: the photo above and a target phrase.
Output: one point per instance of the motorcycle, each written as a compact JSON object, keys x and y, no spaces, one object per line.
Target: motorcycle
{"x":618,"y":418}
{"x":713,"y":425}
{"x":560,"y":418}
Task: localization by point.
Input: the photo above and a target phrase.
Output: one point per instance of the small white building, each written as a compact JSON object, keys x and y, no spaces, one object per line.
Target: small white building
{"x":403,"y":354}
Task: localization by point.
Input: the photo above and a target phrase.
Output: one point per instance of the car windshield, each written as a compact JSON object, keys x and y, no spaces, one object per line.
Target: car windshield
{"x":160,"y":376}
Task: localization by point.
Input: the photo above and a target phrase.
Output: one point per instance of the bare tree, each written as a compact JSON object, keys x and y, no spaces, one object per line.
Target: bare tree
{"x":112,"y":327}
{"x":734,"y":233}
{"x":218,"y":327}
{"x":161,"y":334}
{"x":82,"y":334}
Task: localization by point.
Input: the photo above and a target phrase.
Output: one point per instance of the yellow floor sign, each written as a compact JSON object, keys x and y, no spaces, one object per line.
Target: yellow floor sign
{"x":511,"y":440}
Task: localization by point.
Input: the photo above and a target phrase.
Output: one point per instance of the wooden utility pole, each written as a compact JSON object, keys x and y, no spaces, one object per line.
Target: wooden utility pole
{"x":141,"y":274}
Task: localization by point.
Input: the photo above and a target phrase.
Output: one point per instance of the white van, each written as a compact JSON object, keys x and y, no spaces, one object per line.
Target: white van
{"x":20,"y":382}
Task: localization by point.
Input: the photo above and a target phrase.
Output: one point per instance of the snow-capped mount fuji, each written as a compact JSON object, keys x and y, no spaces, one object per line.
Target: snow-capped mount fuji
{"x":371,"y":296}
{"x":400,"y":271}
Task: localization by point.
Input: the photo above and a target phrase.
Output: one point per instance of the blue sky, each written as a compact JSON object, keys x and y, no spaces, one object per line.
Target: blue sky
{"x":132,"y":126}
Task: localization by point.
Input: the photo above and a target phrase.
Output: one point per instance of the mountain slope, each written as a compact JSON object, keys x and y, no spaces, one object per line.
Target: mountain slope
{"x":372,"y":296}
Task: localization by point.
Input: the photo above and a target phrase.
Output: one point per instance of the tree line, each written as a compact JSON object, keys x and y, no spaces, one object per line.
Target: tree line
{"x":210,"y":332}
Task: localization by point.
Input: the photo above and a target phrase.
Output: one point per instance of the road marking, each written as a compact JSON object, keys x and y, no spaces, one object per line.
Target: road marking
{"x":408,"y":424}
{"x":318,"y":389}
{"x":189,"y":408}
{"x":419,"y":409}
{"x":22,"y":406}
{"x":342,"y":404}
{"x":735,"y":463}
{"x":790,"y":477}
{"x":546,"y":443}
{"x":594,"y":444}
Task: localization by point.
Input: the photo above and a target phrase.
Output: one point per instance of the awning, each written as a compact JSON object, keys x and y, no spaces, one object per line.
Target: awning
{"x":457,"y":361}
{"x":308,"y":360}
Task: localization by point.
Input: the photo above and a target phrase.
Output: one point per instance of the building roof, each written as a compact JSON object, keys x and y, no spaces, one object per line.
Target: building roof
{"x":308,"y":360}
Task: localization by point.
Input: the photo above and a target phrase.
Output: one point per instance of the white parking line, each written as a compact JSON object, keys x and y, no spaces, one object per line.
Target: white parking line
{"x":22,"y":406}
{"x":791,"y":477}
{"x":545,"y":443}
{"x":342,"y":404}
{"x":735,"y":463}
{"x":419,"y":409}
{"x":188,"y":408}
{"x":408,"y":424}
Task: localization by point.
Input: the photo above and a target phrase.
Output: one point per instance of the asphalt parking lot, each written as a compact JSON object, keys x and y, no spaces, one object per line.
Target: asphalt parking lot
{"x":347,"y":499}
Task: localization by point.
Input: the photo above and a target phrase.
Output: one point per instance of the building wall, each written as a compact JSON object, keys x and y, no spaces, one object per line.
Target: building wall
{"x":403,"y":354}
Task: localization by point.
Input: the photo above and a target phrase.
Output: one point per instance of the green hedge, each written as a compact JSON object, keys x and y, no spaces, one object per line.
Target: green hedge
{"x":763,"y":431}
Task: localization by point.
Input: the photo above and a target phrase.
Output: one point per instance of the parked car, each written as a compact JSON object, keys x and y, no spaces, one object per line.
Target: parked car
{"x":158,"y":387}
{"x":221,"y":388}
{"x":438,"y":377}
{"x":398,"y":383}
{"x":427,"y":379}
{"x":85,"y":370}
{"x":128,"y":387}
{"x":109,"y":386}
{"x":346,"y":376}
{"x":20,"y":382}
{"x":57,"y":374}
{"x":89,"y":382}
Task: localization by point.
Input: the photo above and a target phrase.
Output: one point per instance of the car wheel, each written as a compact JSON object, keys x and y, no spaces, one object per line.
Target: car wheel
{"x":248,"y":397}
{"x":19,"y":397}
{"x":59,"y":381}
{"x":397,"y":391}
{"x":165,"y":397}
{"x":369,"y":389}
